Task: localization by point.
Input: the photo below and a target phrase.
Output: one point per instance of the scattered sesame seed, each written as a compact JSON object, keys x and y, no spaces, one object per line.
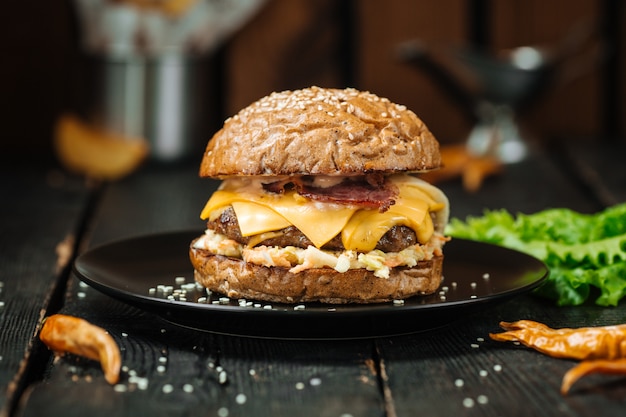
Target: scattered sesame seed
{"x":482,"y":399}
{"x":480,"y":339}
{"x":497,"y":367}
{"x":188,"y":388}
{"x":81,"y":294}
{"x":299,"y":307}
{"x":299,"y":385}
{"x":120,"y":388}
{"x":252,"y":372}
{"x":124,"y":334}
{"x":473,"y":285}
{"x":468,"y":402}
{"x":267,"y":307}
{"x":222,"y":412}
{"x":152,"y":291}
{"x":222,"y":378}
{"x":80,"y":284}
{"x":474,"y":346}
{"x":1,"y":304}
{"x":180,"y":280}
{"x":315,"y":381}
{"x":442,"y":298}
{"x":167,"y":388}
{"x":161,"y":369}
{"x":473,"y":296}
{"x":483,"y":373}
{"x":241,"y":398}
{"x":162,"y":359}
{"x":163,"y":330}
{"x":453,"y":284}
{"x":398,"y":302}
{"x":459,"y":382}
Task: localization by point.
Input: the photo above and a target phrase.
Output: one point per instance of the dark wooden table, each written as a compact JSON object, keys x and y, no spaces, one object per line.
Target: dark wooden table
{"x":49,"y":217}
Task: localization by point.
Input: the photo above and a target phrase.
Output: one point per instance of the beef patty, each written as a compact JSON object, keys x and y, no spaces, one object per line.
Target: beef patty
{"x":395,"y":240}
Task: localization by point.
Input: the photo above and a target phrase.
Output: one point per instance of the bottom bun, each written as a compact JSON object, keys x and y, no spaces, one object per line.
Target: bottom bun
{"x":238,"y":279}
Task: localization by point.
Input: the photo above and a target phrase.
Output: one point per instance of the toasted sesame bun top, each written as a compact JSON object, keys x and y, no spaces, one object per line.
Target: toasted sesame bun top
{"x":320,"y":131}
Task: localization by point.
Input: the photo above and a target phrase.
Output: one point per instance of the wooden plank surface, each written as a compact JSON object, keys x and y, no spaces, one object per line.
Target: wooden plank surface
{"x":41,"y":212}
{"x":471,"y":374}
{"x":311,"y":378}
{"x":173,"y":371}
{"x":600,"y":167}
{"x":459,"y":371}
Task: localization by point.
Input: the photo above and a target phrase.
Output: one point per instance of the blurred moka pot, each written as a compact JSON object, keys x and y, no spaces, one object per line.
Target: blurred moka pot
{"x":148,"y":64}
{"x":493,"y":88}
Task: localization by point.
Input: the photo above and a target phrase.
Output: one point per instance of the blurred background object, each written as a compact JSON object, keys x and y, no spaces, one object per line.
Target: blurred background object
{"x":496,"y":87}
{"x":287,"y":44}
{"x":148,"y":66}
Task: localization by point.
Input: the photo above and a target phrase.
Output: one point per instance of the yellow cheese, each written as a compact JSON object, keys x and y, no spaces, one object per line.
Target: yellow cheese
{"x":260,"y":212}
{"x":256,"y":218}
{"x":319,"y":222}
{"x":367,"y":227}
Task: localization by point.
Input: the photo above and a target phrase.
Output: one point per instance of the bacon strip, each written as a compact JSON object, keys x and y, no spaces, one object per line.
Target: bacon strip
{"x":373,"y":193}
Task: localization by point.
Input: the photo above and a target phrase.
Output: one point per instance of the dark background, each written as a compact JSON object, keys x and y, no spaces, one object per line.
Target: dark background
{"x":297,"y":43}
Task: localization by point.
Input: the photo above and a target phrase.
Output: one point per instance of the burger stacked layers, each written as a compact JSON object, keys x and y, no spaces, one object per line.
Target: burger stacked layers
{"x":317,"y":202}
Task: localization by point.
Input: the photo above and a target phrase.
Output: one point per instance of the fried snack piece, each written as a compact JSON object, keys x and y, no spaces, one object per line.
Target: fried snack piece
{"x":604,"y":366}
{"x":88,"y":151}
{"x":602,"y":349}
{"x":459,"y":162}
{"x":69,"y":334}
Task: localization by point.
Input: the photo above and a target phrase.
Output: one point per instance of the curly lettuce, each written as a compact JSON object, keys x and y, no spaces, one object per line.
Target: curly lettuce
{"x":586,"y":253}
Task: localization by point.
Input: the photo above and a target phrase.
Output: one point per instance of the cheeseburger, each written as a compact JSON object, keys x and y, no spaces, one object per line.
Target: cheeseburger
{"x":318,"y":202}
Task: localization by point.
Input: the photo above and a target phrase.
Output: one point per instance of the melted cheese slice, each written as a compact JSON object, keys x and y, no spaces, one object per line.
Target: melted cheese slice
{"x":367,"y":227}
{"x":319,"y":222}
{"x":259,"y":212}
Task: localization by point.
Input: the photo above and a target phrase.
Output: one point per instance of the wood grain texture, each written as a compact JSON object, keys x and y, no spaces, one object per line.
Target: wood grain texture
{"x":170,"y":371}
{"x":311,"y":378}
{"x":600,"y":168}
{"x":458,"y":370}
{"x":40,"y":213}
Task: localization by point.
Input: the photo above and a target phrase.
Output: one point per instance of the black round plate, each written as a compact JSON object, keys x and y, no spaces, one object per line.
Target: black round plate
{"x":476,"y":276}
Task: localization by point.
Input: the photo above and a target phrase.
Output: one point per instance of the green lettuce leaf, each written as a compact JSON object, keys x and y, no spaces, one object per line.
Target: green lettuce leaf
{"x":583,"y":251}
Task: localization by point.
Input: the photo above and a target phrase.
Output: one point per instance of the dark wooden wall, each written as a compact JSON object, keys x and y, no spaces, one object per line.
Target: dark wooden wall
{"x":296,"y":43}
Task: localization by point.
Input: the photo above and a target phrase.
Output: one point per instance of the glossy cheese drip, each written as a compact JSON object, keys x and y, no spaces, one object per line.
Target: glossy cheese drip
{"x":260,"y":212}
